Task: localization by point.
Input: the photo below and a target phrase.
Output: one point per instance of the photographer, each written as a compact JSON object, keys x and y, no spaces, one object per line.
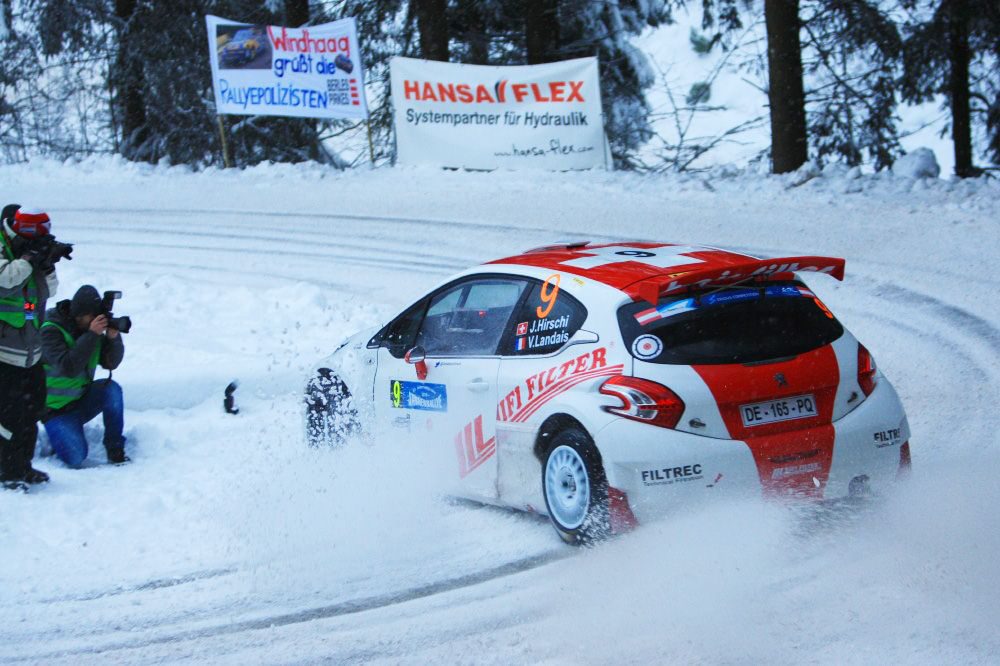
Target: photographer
{"x":76,"y":338}
{"x":27,"y":278}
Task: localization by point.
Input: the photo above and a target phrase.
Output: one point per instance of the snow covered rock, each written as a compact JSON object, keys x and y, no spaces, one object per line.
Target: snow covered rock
{"x":920,"y":163}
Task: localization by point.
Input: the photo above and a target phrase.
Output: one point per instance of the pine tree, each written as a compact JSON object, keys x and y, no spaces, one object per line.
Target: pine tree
{"x":850,"y":50}
{"x":603,"y":28}
{"x":952,"y":48}
{"x":853,"y":50}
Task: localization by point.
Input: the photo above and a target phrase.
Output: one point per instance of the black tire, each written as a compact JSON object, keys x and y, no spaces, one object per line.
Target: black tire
{"x":331,"y":417}
{"x":570,"y":459}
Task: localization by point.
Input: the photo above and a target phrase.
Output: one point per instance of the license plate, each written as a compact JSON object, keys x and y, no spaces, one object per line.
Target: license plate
{"x":782,"y":409}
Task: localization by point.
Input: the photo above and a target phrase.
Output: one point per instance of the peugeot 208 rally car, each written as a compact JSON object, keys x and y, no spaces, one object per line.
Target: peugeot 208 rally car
{"x":607,"y":384}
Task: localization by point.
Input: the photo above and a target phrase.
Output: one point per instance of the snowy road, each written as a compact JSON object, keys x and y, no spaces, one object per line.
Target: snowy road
{"x":227,"y":540}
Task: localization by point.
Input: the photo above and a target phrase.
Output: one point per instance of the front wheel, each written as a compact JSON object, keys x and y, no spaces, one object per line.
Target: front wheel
{"x":575,"y":488}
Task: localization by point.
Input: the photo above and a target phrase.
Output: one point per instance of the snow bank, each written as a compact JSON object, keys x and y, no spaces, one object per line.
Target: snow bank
{"x":920,"y":163}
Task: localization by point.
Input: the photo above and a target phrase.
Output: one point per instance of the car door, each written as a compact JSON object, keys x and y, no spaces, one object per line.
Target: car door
{"x":453,"y":406}
{"x":394,"y":377}
{"x":533,"y":370}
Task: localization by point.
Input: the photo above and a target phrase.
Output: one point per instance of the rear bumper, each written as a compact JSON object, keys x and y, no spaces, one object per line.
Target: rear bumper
{"x":868,"y":442}
{"x":662,"y":470}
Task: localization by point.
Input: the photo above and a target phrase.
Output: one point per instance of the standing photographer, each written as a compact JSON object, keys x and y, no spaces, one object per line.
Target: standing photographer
{"x":27,"y":278}
{"x":76,"y":338}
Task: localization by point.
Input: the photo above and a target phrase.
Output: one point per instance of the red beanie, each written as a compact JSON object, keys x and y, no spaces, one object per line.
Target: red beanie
{"x":31,"y":223}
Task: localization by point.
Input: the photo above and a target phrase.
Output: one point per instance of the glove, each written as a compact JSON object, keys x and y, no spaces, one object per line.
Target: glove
{"x":37,"y":251}
{"x":45,"y":251}
{"x":39,"y":259}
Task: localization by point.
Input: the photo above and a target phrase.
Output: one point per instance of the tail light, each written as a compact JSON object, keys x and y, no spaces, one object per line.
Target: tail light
{"x":866,"y":370}
{"x":643,"y":400}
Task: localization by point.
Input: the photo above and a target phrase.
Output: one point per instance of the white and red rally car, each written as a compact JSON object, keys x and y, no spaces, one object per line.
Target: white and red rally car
{"x":607,"y":384}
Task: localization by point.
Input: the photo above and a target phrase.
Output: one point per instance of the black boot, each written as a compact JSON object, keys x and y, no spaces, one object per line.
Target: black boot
{"x":116,"y":452}
{"x":15,"y":484}
{"x":36,"y":476}
{"x":118,"y":457}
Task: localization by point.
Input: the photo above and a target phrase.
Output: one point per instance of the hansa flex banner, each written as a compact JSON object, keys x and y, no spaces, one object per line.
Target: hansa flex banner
{"x":266,"y":70}
{"x":482,"y":117}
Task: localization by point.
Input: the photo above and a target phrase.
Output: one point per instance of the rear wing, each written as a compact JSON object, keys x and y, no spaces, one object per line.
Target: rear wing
{"x":652,"y":288}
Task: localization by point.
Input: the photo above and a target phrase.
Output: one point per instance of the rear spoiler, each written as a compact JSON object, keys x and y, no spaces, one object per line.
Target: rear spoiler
{"x":652,"y":288}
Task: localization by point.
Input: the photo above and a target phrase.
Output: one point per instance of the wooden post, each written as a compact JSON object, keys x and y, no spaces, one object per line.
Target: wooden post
{"x":371,"y":145}
{"x":225,"y":145}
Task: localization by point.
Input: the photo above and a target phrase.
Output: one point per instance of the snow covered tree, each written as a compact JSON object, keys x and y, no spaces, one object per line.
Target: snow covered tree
{"x":952,"y":48}
{"x":603,"y":28}
{"x":847,"y":51}
{"x":852,"y":49}
{"x":128,"y":80}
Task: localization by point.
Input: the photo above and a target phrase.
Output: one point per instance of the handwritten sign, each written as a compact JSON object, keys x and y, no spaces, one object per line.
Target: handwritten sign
{"x":266,"y":70}
{"x":482,"y":117}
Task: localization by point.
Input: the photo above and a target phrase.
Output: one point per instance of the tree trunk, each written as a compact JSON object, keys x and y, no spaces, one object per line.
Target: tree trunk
{"x":432,"y":22}
{"x":296,"y":13}
{"x":129,"y":82}
{"x":789,"y":144}
{"x":958,"y":86}
{"x":476,"y":35}
{"x":6,"y":20}
{"x":541,"y":30}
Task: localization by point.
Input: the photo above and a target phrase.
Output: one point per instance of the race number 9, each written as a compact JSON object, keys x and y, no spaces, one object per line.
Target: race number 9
{"x":549,"y":294}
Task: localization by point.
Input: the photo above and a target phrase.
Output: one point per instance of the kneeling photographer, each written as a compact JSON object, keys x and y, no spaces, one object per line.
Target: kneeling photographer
{"x":77,"y":336}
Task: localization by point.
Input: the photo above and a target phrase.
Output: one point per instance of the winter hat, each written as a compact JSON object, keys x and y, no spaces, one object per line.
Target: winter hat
{"x":31,"y":223}
{"x":86,"y":301}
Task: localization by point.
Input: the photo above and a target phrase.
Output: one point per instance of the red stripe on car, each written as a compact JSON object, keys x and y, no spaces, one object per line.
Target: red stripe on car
{"x":793,"y":457}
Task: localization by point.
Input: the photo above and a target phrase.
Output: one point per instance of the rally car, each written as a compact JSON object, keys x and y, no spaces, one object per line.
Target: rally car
{"x":607,"y":384}
{"x":241,"y":49}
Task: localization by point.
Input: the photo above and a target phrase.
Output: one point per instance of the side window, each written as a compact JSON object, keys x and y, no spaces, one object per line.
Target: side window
{"x":546,"y":321}
{"x":470,"y":318}
{"x":398,"y":335}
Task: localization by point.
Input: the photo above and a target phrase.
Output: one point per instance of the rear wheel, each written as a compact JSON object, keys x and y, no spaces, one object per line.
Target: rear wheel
{"x":330,"y":414}
{"x":575,"y":488}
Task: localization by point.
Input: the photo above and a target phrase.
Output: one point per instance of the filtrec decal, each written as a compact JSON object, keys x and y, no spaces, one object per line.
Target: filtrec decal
{"x":667,"y":476}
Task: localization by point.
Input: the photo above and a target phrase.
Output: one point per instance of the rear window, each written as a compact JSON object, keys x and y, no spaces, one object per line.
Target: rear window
{"x":730,"y":325}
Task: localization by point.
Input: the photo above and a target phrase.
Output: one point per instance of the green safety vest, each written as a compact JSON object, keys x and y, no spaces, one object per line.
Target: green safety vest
{"x":61,"y":390}
{"x":14,"y":310}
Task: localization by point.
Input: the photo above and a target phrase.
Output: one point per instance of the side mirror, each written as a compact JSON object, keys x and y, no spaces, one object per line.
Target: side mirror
{"x":417,"y":358}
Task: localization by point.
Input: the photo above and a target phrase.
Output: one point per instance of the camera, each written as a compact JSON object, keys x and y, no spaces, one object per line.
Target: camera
{"x":123,"y":323}
{"x":50,"y":250}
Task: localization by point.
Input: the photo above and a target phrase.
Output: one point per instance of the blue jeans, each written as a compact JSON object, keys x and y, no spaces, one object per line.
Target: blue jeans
{"x":65,"y":431}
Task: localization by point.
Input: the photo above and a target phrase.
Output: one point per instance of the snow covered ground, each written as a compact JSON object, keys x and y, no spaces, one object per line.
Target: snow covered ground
{"x":228,"y":540}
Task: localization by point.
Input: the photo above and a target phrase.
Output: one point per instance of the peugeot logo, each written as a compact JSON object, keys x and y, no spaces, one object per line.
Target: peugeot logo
{"x":780,"y":378}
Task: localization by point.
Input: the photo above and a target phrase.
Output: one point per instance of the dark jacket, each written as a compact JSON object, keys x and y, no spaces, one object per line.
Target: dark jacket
{"x":67,"y":361}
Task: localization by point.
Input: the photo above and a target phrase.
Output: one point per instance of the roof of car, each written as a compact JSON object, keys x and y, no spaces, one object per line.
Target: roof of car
{"x":648,"y":270}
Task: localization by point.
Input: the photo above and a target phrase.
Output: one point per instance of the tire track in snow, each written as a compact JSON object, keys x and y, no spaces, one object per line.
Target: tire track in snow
{"x":349,"y":607}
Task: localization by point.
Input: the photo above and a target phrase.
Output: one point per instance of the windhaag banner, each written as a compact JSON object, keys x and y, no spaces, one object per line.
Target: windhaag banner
{"x":483,"y":117}
{"x":266,"y":70}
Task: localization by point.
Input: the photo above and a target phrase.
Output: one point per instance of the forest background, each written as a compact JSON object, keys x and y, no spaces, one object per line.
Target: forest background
{"x":132,"y":78}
